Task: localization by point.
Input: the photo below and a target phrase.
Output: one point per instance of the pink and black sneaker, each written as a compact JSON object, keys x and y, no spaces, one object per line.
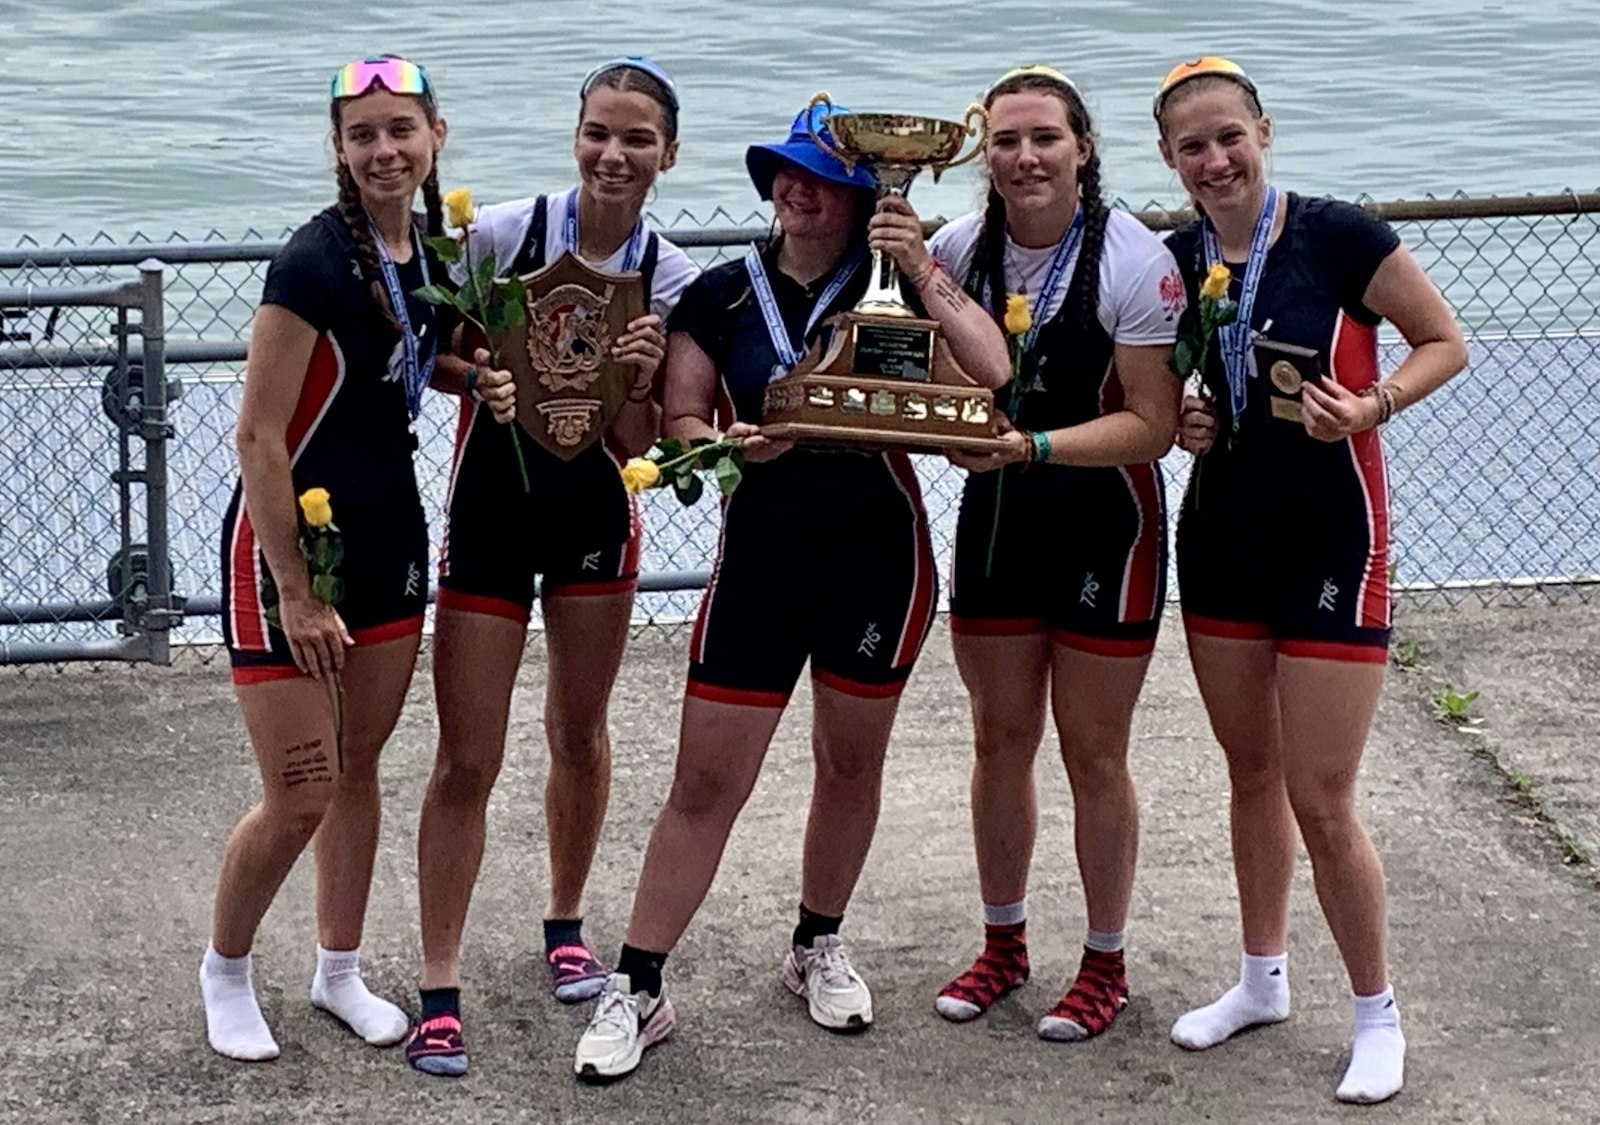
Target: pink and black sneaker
{"x":435,"y":1047}
{"x":576,"y":974}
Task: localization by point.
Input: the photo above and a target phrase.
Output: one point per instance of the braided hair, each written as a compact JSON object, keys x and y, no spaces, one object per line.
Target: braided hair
{"x":354,"y":212}
{"x":990,"y":253}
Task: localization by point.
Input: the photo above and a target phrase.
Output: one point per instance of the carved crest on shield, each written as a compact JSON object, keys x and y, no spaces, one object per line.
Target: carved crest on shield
{"x":569,"y":388}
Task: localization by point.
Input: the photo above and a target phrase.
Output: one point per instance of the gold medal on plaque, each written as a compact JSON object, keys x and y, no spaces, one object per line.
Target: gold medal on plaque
{"x":1288,"y":368}
{"x":569,"y":388}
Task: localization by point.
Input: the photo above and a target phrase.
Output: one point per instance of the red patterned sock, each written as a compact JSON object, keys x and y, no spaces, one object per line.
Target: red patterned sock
{"x":1092,"y":1003}
{"x":999,"y":969}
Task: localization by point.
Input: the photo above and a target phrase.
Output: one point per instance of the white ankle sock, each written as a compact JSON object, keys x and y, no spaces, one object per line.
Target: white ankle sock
{"x":1261,"y":996}
{"x":1378,"y":1056}
{"x":1102,"y":942}
{"x":339,"y":989}
{"x":234,"y":1024}
{"x":1007,"y":914}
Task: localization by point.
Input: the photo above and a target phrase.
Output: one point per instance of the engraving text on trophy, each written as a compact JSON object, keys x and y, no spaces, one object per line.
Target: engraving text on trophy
{"x":893,"y":351}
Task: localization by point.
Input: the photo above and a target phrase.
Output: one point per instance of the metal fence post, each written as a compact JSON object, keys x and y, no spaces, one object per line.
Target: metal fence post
{"x":162,"y":611}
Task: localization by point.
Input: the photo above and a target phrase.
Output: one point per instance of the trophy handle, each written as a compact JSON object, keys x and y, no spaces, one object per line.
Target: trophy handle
{"x":980,"y":130}
{"x":822,"y":99}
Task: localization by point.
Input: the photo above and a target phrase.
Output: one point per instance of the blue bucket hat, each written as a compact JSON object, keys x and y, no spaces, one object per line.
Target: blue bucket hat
{"x":765,"y":161}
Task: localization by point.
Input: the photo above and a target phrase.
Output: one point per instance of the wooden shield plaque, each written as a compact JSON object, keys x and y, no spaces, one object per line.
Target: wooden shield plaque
{"x":569,"y":389}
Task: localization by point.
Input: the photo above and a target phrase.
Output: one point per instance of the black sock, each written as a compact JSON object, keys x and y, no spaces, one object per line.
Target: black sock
{"x":813,"y":926}
{"x":642,"y":968}
{"x":562,"y":931}
{"x":438,"y":1002}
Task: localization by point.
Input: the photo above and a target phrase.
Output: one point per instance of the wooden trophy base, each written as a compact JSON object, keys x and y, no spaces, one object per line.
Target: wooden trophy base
{"x":883,"y":382}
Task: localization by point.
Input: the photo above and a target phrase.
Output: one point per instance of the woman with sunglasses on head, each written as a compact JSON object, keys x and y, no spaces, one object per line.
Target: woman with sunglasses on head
{"x":339,"y":357}
{"x":1036,"y":625}
{"x":1283,"y":540}
{"x":575,"y":531}
{"x":824,"y":557}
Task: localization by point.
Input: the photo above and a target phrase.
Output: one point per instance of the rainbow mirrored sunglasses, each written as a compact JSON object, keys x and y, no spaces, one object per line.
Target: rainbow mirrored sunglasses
{"x":398,"y":76}
{"x":632,"y":62}
{"x":1037,"y":70}
{"x":1199,"y":68}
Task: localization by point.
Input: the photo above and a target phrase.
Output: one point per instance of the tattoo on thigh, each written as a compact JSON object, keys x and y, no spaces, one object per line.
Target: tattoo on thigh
{"x":306,"y":762}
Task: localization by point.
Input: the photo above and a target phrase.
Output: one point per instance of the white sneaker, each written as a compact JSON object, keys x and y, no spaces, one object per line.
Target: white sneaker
{"x":624,"y":1025}
{"x":837,"y":996}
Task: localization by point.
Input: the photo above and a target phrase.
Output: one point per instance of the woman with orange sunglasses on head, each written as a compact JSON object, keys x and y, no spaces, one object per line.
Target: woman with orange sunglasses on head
{"x":340,"y":354}
{"x":1050,"y":623}
{"x":572,"y":535}
{"x":1283,"y":540}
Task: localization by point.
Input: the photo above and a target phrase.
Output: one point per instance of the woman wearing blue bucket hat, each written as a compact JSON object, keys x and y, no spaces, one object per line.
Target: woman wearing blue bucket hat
{"x":824,"y":556}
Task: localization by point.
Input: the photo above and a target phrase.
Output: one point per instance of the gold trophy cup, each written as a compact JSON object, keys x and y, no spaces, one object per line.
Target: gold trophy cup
{"x":885,"y":376}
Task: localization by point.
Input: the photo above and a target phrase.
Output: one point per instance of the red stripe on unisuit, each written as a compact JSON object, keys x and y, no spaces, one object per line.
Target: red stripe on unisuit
{"x":856,"y":687}
{"x":265,"y":674}
{"x":1334,"y":650}
{"x":1230,"y":630}
{"x":738,"y":697}
{"x":1102,"y":646}
{"x":388,"y":631}
{"x":1141,"y":577}
{"x":478,"y":603}
{"x":247,"y":617}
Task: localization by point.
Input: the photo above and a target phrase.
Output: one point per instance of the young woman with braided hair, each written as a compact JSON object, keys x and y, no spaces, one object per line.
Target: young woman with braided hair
{"x":339,"y":357}
{"x":1035,"y":624}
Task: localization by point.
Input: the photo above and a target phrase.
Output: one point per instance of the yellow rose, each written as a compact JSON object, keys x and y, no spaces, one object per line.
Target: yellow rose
{"x":458,"y":208}
{"x":1215,"y":286}
{"x":639,"y":474}
{"x":314,"y":506}
{"x":1019,"y":317}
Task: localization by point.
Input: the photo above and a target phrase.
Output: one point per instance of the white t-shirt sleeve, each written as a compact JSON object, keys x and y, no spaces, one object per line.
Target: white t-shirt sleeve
{"x":952,"y":244}
{"x":674,"y":271}
{"x":500,"y":229}
{"x":1142,"y":294}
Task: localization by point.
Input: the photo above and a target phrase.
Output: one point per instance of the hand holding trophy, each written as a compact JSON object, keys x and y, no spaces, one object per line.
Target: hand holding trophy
{"x":885,"y":377}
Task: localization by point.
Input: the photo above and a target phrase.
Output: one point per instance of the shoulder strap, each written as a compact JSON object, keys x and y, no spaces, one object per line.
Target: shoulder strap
{"x":647,"y":264}
{"x":531,"y":256}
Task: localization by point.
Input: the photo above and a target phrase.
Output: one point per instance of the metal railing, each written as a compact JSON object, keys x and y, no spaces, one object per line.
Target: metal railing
{"x":1495,"y":481}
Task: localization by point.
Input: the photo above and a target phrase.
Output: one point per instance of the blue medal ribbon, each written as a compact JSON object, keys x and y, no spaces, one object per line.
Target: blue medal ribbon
{"x":788,"y":357}
{"x":635,"y":248}
{"x":417,"y":371}
{"x":1234,"y":339}
{"x":1066,"y":250}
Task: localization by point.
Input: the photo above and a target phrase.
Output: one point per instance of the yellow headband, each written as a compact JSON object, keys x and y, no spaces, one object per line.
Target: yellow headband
{"x":1037,"y":70}
{"x":1200,"y":68}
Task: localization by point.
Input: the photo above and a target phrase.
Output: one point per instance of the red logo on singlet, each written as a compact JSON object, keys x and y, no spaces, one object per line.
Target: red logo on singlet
{"x":1172,"y":295}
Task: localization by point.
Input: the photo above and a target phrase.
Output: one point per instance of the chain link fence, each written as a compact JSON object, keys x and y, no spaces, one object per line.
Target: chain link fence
{"x":1495,"y":481}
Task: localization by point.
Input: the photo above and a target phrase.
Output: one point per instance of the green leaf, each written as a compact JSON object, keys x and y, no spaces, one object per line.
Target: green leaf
{"x":728,"y":475}
{"x":445,"y":249}
{"x":437,"y":295}
{"x":689,"y":489}
{"x":1185,"y":357}
{"x":494,"y":320}
{"x":485,"y":275}
{"x":327,"y":588}
{"x":668,"y":448}
{"x":275,"y":617}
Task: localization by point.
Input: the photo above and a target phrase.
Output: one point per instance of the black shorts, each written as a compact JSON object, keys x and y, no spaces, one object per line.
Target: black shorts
{"x":1247,"y":571}
{"x":1080,"y":553}
{"x":576,"y":526}
{"x":852,"y":590}
{"x":385,"y":573}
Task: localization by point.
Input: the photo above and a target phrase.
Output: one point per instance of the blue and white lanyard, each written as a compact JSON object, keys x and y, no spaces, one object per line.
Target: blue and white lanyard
{"x":1066,"y":250}
{"x":1234,"y":338}
{"x":418,"y":372}
{"x":776,"y":328}
{"x":630,"y":256}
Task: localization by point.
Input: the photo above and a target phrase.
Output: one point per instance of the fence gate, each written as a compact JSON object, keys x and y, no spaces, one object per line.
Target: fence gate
{"x":85,"y":571}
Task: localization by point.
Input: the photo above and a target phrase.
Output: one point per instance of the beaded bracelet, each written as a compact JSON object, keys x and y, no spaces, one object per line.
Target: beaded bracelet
{"x":1386,"y":400}
{"x":472,"y":383}
{"x":923,"y":278}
